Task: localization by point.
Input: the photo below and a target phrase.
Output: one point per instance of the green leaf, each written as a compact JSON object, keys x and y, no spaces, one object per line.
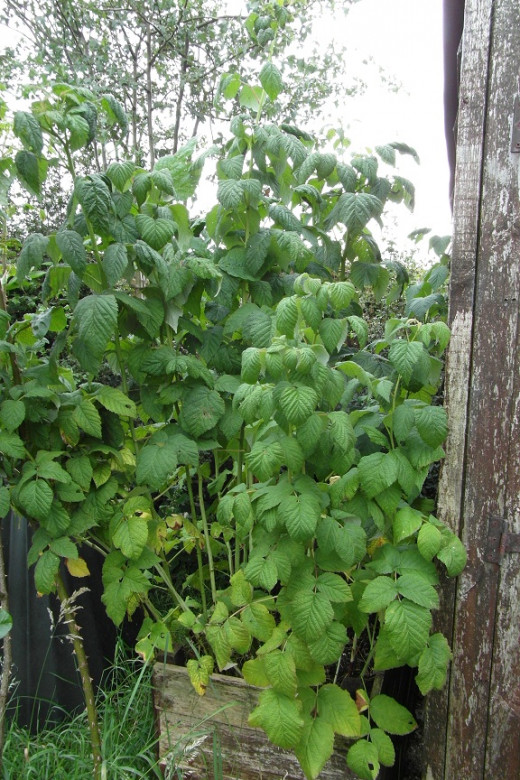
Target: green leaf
{"x":12,"y":414}
{"x":315,"y":747}
{"x":391,"y":716}
{"x":287,"y":316}
{"x":453,"y":555}
{"x":201,"y":411}
{"x":64,"y":547}
{"x":6,"y":623}
{"x":334,"y":587}
{"x":122,"y":582}
{"x":407,"y":521}
{"x":432,"y":424}
{"x":250,"y":97}
{"x":130,"y":534}
{"x":251,"y":365}
{"x":230,"y":193}
{"x":433,"y":664}
{"x":95,"y":319}
{"x":156,"y":462}
{"x":46,"y":571}
{"x":31,"y":255}
{"x":73,"y":251}
{"x":11,"y":445}
{"x":300,"y":514}
{"x":333,"y":333}
{"x":329,"y":646}
{"x":95,"y":200}
{"x":337,"y":707}
{"x":27,"y":129}
{"x":218,"y":639}
{"x":28,"y":171}
{"x":384,"y":745}
{"x":378,"y":594}
{"x":87,"y":418}
{"x":414,"y":587}
{"x":120,"y":173}
{"x":35,"y":498}
{"x":429,"y":541}
{"x":298,"y":402}
{"x":310,"y":614}
{"x":279,"y":716}
{"x":115,"y":262}
{"x":259,"y":621}
{"x":280,"y":670}
{"x":408,"y":627}
{"x":115,"y":401}
{"x":241,"y":590}
{"x":377,"y":472}
{"x":271,"y":80}
{"x":80,"y":470}
{"x":155,"y":232}
{"x":254,"y":672}
{"x":354,"y":210}
{"x":363,"y":759}
{"x":265,"y":459}
{"x":5,"y":502}
{"x":406,"y":356}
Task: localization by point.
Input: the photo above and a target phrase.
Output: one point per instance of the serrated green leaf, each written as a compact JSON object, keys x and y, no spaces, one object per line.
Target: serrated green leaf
{"x":230,"y":193}
{"x":280,"y":670}
{"x":408,"y":627}
{"x":12,"y":414}
{"x":310,"y":614}
{"x":337,"y":707}
{"x":241,"y":590}
{"x":32,"y":253}
{"x":363,"y":759}
{"x":80,"y":470}
{"x":64,"y":547}
{"x":377,"y":472}
{"x":155,"y":232}
{"x":391,"y":716}
{"x":406,"y":356}
{"x":265,"y":459}
{"x":11,"y":445}
{"x":156,"y":462}
{"x":120,"y":173}
{"x":333,"y":333}
{"x":251,"y":365}
{"x":384,"y":745}
{"x":433,"y":664}
{"x":271,"y":80}
{"x":28,"y":171}
{"x":27,"y":129}
{"x":429,"y":541}
{"x":95,"y":319}
{"x":287,"y":316}
{"x":5,"y":501}
{"x":70,"y":244}
{"x":258,"y":620}
{"x":414,"y":587}
{"x":201,"y":411}
{"x":130,"y":534}
{"x":6,"y":623}
{"x":46,"y":571}
{"x":115,"y":401}
{"x":315,"y":747}
{"x":328,"y":648}
{"x":378,"y":594}
{"x":300,"y":514}
{"x":279,"y":716}
{"x":432,"y":424}
{"x":95,"y":200}
{"x":407,"y":521}
{"x":115,"y":262}
{"x":87,"y":418}
{"x":218,"y":639}
{"x":298,"y":402}
{"x":35,"y":498}
{"x":354,"y":210}
{"x":453,"y":555}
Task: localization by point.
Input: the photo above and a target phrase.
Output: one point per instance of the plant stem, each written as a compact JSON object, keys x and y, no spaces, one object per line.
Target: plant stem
{"x":207,"y":538}
{"x":86,"y":680}
{"x":165,"y":576}
{"x":197,"y":546}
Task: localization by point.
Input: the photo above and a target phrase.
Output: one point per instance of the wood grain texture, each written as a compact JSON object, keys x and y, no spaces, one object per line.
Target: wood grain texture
{"x":481,"y":476}
{"x":190,"y":726}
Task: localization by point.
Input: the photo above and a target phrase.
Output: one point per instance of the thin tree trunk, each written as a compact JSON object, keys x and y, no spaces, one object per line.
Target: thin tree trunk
{"x":149,"y":94}
{"x":182,"y":86}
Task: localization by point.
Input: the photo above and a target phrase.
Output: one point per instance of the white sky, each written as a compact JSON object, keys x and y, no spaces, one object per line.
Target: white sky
{"x":404,"y":38}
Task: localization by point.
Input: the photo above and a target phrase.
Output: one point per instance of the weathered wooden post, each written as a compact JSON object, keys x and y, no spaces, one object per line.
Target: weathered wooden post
{"x":473,"y":729}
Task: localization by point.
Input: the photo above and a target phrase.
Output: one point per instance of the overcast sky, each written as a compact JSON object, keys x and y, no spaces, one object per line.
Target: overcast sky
{"x":404,"y":39}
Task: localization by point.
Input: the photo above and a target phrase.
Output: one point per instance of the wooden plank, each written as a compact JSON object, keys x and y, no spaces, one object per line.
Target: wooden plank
{"x":470,"y":149}
{"x":194,"y":729}
{"x":488,"y":429}
{"x":502,"y":190}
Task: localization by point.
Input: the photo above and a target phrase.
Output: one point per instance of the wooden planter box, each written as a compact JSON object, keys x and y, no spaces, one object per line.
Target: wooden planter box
{"x":208,"y":737}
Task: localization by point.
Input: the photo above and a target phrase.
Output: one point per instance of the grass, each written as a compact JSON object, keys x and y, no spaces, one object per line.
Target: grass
{"x":127,"y":726}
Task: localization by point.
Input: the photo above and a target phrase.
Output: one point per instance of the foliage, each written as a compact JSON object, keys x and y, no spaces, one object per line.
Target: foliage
{"x":63,"y":749}
{"x":162,"y":60}
{"x":244,"y":376}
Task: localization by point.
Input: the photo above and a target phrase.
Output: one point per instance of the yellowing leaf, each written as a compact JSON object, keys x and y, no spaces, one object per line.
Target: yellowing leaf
{"x":77,"y":567}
